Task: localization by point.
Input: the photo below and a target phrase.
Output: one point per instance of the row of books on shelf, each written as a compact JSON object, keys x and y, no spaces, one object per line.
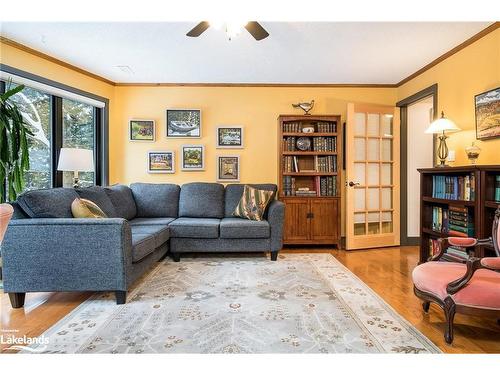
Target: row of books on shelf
{"x":318,"y":144}
{"x":453,"y":253}
{"x":454,"y":187}
{"x":323,"y":187}
{"x":321,"y":164}
{"x":497,"y":188}
{"x":454,"y":221}
{"x":321,"y":126}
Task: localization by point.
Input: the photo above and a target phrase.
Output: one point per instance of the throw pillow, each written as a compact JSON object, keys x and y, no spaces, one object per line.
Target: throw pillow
{"x":83,"y":208}
{"x":253,"y":203}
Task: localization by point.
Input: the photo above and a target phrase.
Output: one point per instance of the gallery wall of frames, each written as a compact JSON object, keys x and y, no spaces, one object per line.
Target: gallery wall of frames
{"x":187,"y":124}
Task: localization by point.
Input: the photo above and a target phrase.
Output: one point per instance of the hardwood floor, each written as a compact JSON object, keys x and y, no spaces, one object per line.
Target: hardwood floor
{"x":387,"y":271}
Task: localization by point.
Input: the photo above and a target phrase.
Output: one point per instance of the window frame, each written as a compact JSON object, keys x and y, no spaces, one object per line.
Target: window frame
{"x":101,"y":126}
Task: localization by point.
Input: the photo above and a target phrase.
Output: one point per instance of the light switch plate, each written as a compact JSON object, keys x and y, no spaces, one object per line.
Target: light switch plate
{"x":451,"y":155}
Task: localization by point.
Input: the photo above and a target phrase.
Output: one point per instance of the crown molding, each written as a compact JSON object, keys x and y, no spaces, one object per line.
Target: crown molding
{"x":298,"y":85}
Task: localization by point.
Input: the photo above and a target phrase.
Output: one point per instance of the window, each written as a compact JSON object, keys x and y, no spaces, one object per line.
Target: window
{"x":59,"y":118}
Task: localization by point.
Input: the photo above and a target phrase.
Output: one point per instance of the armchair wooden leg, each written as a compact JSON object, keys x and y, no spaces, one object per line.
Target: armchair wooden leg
{"x":274,"y":255}
{"x":17,"y":300}
{"x":426,"y":305}
{"x":449,"y":312}
{"x":121,"y":297}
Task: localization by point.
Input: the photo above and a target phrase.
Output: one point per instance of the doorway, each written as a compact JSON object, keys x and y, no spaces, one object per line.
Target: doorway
{"x":417,"y":151}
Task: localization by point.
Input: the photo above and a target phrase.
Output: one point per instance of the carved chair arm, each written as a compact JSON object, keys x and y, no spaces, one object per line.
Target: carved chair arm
{"x":473,"y":264}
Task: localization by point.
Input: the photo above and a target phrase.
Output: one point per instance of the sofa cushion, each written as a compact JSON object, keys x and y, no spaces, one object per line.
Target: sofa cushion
{"x":123,"y":201}
{"x":151,"y":221}
{"x":48,"y":203}
{"x":194,"y":227}
{"x":253,"y":204}
{"x":161,"y":233}
{"x":234,"y":192}
{"x":98,"y":195}
{"x":233,"y":227}
{"x":156,"y":200}
{"x":143,"y":244}
{"x":200,"y":199}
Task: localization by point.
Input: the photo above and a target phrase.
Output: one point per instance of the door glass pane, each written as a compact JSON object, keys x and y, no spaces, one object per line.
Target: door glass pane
{"x":386,"y":198}
{"x":373,"y":149}
{"x":386,"y":222}
{"x":359,"y":224}
{"x":387,"y":149}
{"x":359,"y":199}
{"x":386,"y":174}
{"x":373,"y":128}
{"x":359,"y":124}
{"x":386,"y":126}
{"x":78,"y":132}
{"x":359,"y":173}
{"x":373,"y":199}
{"x":373,"y":174}
{"x":373,"y":222}
{"x":35,"y":109}
{"x":359,"y":149}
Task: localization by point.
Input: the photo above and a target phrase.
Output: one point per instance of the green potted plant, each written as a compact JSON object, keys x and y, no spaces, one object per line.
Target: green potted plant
{"x":14,"y":151}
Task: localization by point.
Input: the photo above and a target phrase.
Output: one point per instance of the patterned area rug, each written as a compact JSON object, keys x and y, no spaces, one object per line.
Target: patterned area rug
{"x":307,"y":303}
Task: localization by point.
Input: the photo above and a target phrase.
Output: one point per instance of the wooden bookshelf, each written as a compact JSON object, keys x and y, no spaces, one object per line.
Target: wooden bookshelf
{"x":481,"y":207}
{"x":315,"y":219}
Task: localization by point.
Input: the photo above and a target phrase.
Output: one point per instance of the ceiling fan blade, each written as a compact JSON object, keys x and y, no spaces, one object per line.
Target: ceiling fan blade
{"x":257,"y":31}
{"x":198,"y":29}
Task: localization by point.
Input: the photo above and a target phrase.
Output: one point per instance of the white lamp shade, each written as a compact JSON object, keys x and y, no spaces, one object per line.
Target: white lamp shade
{"x":442,"y":125}
{"x":76,"y":159}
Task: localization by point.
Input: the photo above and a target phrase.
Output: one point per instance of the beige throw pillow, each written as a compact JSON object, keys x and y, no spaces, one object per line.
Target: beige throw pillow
{"x":83,"y":208}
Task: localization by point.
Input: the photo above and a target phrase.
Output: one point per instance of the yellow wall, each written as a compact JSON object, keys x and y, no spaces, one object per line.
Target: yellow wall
{"x":255,"y":108}
{"x":473,"y":70}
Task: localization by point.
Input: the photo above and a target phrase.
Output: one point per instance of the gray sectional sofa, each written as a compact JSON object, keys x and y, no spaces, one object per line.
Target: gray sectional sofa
{"x":46,"y":249}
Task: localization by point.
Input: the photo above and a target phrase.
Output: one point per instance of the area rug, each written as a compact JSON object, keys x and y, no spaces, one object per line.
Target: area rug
{"x":303,"y":303}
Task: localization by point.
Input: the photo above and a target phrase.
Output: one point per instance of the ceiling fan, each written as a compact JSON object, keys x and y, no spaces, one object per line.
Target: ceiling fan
{"x":254,"y":28}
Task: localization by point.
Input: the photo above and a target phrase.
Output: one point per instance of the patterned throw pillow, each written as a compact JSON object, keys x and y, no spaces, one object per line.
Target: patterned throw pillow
{"x":83,"y":208}
{"x":253,"y":203}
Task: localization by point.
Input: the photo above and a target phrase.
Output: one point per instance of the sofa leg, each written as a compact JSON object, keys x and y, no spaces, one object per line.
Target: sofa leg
{"x":274,"y":255}
{"x":449,"y":312}
{"x":17,"y":300}
{"x":426,"y":305}
{"x":176,"y":257}
{"x":121,"y":297}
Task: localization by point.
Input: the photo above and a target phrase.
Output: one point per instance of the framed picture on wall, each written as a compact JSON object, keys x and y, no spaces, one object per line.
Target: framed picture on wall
{"x":230,"y":137}
{"x":488,"y":114}
{"x":141,"y":130}
{"x":184,"y":123}
{"x":161,"y":162}
{"x":228,"y":168}
{"x":193,"y":158}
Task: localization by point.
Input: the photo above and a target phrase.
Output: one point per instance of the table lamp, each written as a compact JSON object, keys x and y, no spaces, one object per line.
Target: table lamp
{"x":440,"y":126}
{"x":76,"y":160}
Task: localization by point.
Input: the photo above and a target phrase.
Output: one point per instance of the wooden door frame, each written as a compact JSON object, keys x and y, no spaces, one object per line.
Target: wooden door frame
{"x":403,"y":105}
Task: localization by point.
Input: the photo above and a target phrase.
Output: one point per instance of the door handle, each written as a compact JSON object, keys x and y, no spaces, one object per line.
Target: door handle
{"x":351,"y":184}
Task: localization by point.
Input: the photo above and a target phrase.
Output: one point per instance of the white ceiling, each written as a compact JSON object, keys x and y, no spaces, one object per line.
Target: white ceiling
{"x":306,"y":52}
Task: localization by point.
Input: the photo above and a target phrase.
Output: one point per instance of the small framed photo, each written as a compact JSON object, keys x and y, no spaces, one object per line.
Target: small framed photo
{"x":230,"y":137}
{"x":184,"y":123}
{"x":141,"y":130}
{"x":228,"y":168}
{"x":193,"y":158}
{"x":488,"y":114}
{"x":161,"y":162}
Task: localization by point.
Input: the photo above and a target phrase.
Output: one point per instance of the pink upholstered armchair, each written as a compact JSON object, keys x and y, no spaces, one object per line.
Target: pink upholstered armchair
{"x":472,"y":288}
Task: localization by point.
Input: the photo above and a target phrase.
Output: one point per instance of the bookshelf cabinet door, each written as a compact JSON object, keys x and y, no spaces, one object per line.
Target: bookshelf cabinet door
{"x":324,"y":221}
{"x":372,"y":175}
{"x":297,"y":222}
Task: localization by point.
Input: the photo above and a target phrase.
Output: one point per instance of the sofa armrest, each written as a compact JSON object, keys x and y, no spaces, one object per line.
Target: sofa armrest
{"x":276,"y":219}
{"x":66,"y":254}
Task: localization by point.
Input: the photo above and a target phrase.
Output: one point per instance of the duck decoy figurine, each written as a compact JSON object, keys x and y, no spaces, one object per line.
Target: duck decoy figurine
{"x":306,"y":107}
